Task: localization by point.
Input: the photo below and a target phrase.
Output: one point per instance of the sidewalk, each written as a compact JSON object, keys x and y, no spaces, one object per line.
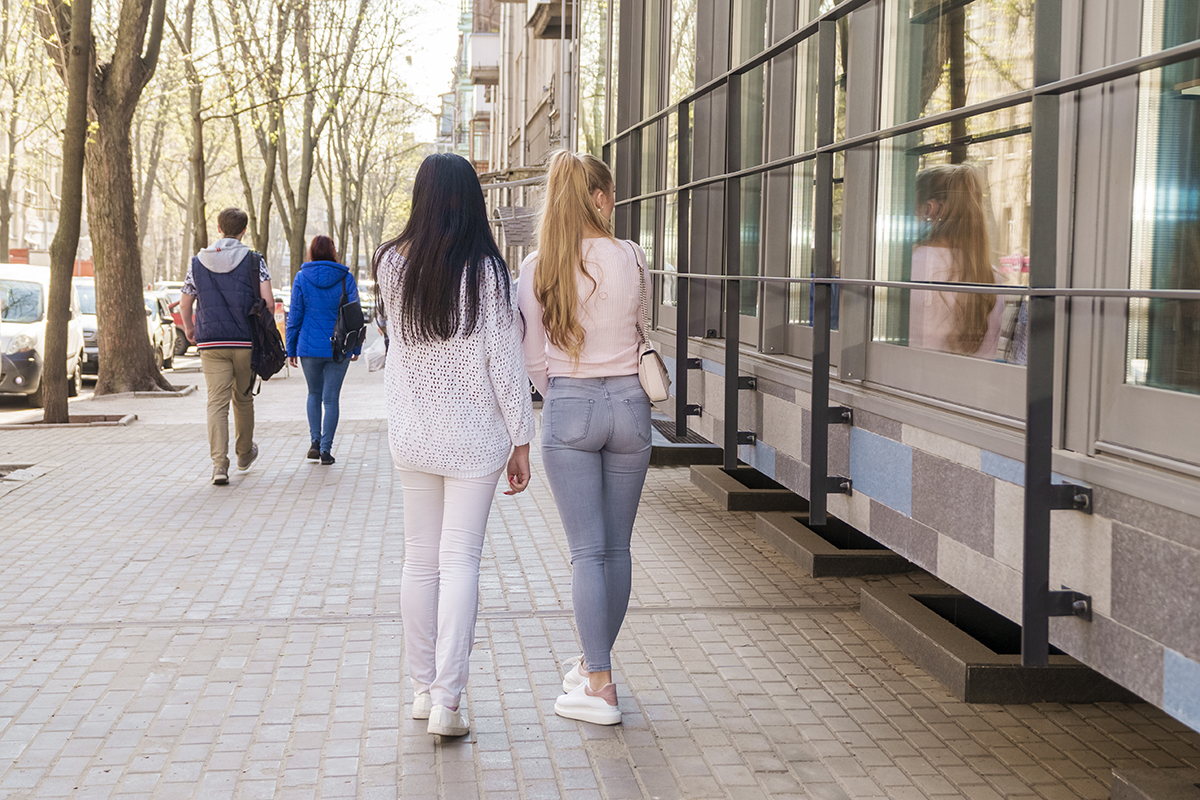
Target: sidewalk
{"x":161,"y":637}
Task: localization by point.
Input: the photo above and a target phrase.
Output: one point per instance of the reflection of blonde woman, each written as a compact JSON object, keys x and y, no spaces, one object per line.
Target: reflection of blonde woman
{"x":950,"y":201}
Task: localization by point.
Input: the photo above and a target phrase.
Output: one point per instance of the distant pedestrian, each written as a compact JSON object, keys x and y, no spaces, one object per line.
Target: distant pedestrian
{"x":316,"y":296}
{"x":580,"y":295}
{"x":458,"y":412}
{"x":223,"y":282}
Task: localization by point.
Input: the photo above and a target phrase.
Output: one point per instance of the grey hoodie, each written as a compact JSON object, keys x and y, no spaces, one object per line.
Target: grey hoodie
{"x":223,"y":255}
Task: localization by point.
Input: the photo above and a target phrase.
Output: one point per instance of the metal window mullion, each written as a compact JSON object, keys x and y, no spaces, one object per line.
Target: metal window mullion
{"x":733,"y":265}
{"x":1039,"y":375}
{"x":682,"y":286}
{"x":818,"y":429}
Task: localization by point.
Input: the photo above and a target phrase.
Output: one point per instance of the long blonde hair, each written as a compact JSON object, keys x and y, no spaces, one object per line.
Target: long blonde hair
{"x":962,"y":228}
{"x":569,"y":214}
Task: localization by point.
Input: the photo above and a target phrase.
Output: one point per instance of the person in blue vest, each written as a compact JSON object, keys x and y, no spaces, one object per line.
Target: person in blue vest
{"x":316,"y":296}
{"x":222,"y":284}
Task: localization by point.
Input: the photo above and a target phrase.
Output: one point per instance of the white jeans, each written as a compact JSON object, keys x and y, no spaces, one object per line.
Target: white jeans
{"x":444,"y":524}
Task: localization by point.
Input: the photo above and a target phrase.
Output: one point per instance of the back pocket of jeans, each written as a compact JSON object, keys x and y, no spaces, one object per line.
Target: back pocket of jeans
{"x":639,"y":410}
{"x":570,"y":418}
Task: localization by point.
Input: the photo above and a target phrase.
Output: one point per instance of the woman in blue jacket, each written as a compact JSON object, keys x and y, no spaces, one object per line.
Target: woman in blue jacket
{"x":316,"y":296}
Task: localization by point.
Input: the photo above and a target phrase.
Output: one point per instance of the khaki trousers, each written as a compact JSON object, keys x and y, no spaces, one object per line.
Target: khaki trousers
{"x":228,"y":375}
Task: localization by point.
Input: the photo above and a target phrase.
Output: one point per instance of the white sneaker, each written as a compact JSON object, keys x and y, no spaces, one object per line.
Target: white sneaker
{"x":581,"y":703}
{"x":444,"y":722}
{"x":421,"y":705}
{"x":576,"y":675}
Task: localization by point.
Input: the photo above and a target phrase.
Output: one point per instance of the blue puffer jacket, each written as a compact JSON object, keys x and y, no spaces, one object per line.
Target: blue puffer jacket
{"x":316,"y":294}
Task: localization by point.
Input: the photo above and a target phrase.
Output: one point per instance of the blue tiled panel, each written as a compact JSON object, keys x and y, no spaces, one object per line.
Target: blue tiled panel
{"x":1181,"y":688}
{"x":760,"y":456}
{"x":1011,"y":470}
{"x":715,"y":367}
{"x":1006,"y":469}
{"x":881,"y":468}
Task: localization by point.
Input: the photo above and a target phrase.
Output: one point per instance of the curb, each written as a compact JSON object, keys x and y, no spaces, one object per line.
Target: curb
{"x":183,"y":392}
{"x":30,"y":426}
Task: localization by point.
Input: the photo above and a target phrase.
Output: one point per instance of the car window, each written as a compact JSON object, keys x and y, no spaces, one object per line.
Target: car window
{"x":21,"y":301}
{"x":87,"y":299}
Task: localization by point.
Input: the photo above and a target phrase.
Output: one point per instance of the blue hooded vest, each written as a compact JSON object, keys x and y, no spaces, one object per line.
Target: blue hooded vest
{"x":223,"y":303}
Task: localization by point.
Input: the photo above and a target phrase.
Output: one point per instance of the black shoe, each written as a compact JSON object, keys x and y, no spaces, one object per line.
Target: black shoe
{"x":314,"y":451}
{"x":326,"y":459}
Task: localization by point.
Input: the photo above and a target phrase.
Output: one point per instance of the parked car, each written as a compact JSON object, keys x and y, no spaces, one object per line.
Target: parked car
{"x":174,"y":291}
{"x":24,"y":290}
{"x":159,"y":325}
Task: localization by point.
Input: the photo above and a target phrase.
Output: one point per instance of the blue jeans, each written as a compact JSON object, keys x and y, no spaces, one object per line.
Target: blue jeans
{"x":596,"y":447}
{"x":324,"y":376}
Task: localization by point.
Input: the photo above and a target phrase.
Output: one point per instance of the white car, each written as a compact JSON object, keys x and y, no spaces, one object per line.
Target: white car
{"x":24,"y":290}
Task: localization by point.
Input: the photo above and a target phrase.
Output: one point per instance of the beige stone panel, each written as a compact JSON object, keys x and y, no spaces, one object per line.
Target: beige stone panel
{"x":1009,"y":544}
{"x":1081,"y":556}
{"x":714,"y":395}
{"x":781,"y":425}
{"x":987,"y":580}
{"x":942,"y":446}
{"x":854,"y":509}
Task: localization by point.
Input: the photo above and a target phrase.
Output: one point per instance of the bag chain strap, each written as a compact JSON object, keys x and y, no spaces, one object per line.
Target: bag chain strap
{"x":643,"y":323}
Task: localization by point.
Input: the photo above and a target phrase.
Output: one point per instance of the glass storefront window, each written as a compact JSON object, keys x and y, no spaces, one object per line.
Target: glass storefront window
{"x":1163,"y":347}
{"x":614,"y":65}
{"x":953,"y":211}
{"x":650,"y":163}
{"x":646,"y":232}
{"x":670,"y":249}
{"x":681,"y":76}
{"x":753,"y":88}
{"x":943,"y":55}
{"x":651,"y":54}
{"x":750,"y":189}
{"x":749,"y":29}
{"x":593,"y":44}
{"x":804,"y":195}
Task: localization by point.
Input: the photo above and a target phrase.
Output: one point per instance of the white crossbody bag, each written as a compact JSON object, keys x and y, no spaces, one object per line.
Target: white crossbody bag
{"x":652,"y":372}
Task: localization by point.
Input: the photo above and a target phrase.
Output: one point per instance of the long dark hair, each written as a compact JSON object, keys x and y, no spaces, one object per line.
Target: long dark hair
{"x":447,"y":234}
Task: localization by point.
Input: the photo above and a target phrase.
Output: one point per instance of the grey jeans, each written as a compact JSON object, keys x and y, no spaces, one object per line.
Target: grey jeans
{"x":596,"y":448}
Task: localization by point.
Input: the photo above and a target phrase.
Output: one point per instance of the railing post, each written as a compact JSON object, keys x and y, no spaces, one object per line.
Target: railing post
{"x":682,"y":267}
{"x":1039,"y":371}
{"x":818,"y":429}
{"x":733,"y":265}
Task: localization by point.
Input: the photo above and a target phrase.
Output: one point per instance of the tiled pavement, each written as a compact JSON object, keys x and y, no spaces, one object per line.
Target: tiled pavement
{"x":160,"y":637}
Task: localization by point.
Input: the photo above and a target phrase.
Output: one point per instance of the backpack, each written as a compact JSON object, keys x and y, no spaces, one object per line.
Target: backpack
{"x":267,"y":354}
{"x":350,"y":330}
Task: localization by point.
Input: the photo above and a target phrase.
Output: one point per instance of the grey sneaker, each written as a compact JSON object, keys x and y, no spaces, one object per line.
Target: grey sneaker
{"x":220,"y":476}
{"x":245,"y":461}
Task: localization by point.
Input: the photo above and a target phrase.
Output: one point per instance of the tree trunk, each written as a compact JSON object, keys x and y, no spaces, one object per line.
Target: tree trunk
{"x":10,"y":174}
{"x":200,"y":212}
{"x":126,"y":357}
{"x":66,"y":237}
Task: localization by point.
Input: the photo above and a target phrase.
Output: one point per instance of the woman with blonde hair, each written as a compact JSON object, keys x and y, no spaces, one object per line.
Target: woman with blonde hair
{"x":955,"y":249}
{"x":581,"y":295}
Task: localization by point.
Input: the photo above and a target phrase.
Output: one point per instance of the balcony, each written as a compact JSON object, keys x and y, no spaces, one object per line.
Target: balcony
{"x":547,"y":18}
{"x":483,"y":56}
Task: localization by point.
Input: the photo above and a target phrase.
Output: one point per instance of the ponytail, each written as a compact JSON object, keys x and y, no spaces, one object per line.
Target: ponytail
{"x":568,"y":216}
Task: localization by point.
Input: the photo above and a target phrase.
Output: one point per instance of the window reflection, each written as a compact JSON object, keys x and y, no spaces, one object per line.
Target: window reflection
{"x":749,"y":29}
{"x":941,"y":55}
{"x":954,"y":211}
{"x":593,"y":45}
{"x":651,"y":55}
{"x":646,"y":231}
{"x":681,"y":77}
{"x":750,"y":189}
{"x":804,"y":196}
{"x":1163,"y":347}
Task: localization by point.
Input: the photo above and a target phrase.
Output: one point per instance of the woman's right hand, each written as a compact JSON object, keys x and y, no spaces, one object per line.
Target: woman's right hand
{"x":518,"y":470}
{"x":292,"y":360}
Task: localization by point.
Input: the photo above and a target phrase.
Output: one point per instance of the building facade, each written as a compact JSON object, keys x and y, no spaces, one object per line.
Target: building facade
{"x":880,"y":146}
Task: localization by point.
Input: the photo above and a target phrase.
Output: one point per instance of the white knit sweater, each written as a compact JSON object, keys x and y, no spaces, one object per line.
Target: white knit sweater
{"x":456,"y":408}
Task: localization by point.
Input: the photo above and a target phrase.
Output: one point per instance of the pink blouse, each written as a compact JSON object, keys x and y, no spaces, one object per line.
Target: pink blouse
{"x":931,"y":314}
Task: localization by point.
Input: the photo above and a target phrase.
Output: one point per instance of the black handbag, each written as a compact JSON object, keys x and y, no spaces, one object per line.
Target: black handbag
{"x":350,"y":330}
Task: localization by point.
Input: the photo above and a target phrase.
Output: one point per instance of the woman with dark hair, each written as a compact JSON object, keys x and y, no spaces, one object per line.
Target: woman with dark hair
{"x":316,"y":295}
{"x":459,"y":414}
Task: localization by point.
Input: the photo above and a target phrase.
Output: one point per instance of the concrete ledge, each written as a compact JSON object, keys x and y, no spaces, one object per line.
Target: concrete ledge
{"x":972,"y":671}
{"x":1156,"y":784}
{"x":833,"y":550}
{"x":667,"y":451}
{"x":745,"y":489}
{"x":83,"y":421}
{"x":182,"y":391}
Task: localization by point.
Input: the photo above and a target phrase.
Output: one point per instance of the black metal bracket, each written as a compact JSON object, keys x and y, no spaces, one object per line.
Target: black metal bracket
{"x":746,"y":437}
{"x":840,"y":415}
{"x":695,"y":363}
{"x":1069,"y":497}
{"x":711,"y":333}
{"x":1068,"y":603}
{"x":836,"y":484}
{"x":691,"y":410}
{"x":747,"y":382}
